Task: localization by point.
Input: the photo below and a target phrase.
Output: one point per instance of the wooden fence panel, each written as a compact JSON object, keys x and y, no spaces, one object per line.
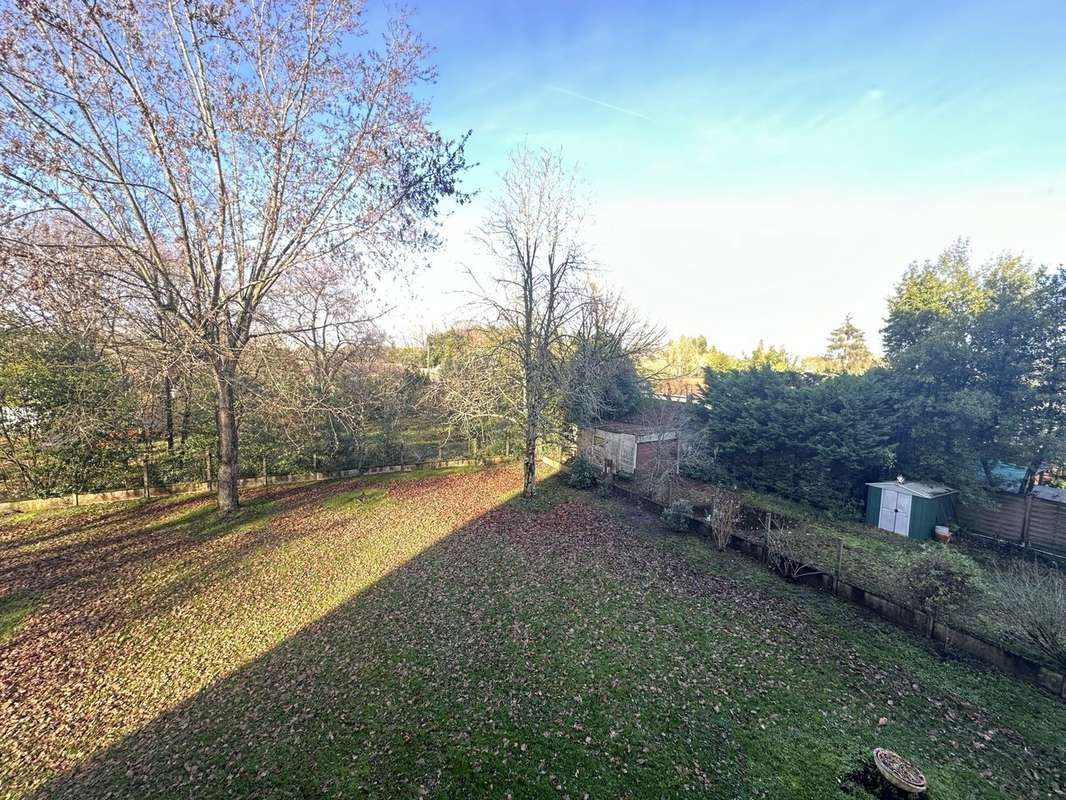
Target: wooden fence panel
{"x":1005,"y":520}
{"x":1047,"y":525}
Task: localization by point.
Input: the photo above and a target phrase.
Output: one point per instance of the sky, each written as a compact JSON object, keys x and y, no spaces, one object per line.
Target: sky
{"x":758,"y":170}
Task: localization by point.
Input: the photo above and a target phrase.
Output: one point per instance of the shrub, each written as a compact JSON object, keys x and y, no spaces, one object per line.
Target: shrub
{"x":726,"y":508}
{"x":580,"y":473}
{"x":1033,"y":597}
{"x":676,"y":515}
{"x":940,"y":581}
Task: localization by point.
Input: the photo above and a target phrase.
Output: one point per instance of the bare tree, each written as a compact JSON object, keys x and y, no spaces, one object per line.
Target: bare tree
{"x":211,"y":149}
{"x":533,"y":234}
{"x":610,"y":343}
{"x":479,"y":386}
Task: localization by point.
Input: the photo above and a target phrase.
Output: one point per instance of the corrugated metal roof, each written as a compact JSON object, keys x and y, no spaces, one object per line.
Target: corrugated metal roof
{"x":925,"y":489}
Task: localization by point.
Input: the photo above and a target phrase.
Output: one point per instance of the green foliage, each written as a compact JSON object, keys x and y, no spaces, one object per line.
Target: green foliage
{"x":581,"y":473}
{"x":688,"y":356}
{"x":812,"y":440}
{"x":676,"y":516}
{"x":978,"y":360}
{"x":67,"y":422}
{"x":774,"y":358}
{"x":601,"y":390}
{"x":975,"y":374}
{"x":846,"y":352}
{"x":939,"y":580}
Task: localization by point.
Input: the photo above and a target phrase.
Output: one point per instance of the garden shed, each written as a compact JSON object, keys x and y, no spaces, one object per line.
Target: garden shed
{"x":909,"y":508}
{"x":629,"y":448}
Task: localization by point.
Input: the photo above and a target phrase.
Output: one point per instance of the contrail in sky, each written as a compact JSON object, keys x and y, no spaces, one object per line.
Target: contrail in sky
{"x":587,"y":99}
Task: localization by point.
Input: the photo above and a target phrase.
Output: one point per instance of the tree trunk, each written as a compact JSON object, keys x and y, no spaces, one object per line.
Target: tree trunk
{"x":226,"y":420}
{"x":529,"y":468}
{"x":186,"y":418}
{"x":168,"y":413}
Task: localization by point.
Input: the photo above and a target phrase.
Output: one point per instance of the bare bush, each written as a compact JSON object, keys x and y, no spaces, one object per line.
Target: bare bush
{"x":1033,"y":597}
{"x":724,"y":518}
{"x":940,"y":581}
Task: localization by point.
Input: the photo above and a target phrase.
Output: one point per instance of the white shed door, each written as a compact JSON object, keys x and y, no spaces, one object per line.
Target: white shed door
{"x":627,"y":453}
{"x":903,"y":513}
{"x":887,"y":520}
{"x":895,"y":513}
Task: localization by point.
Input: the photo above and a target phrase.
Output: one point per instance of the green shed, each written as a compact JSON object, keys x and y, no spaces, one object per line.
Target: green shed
{"x":909,"y":508}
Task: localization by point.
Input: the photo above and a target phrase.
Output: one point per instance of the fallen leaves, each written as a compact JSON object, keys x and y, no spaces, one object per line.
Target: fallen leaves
{"x":429,"y":636}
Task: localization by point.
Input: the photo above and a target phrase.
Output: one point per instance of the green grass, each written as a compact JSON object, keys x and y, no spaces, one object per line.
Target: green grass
{"x":13,"y":611}
{"x":450,"y":640}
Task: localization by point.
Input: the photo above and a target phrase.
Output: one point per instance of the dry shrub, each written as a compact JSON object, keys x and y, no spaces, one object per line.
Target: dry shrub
{"x":940,"y":581}
{"x":724,"y":518}
{"x":1033,"y":597}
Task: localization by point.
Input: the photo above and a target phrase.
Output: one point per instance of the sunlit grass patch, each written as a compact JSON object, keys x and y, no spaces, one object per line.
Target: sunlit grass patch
{"x":420,"y":474}
{"x":357,"y":500}
{"x":17,"y":517}
{"x":13,"y":611}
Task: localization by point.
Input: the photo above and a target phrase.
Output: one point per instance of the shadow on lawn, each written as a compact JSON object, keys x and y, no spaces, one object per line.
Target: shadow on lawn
{"x":409,"y":685}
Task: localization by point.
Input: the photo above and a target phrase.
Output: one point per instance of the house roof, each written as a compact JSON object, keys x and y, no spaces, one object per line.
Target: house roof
{"x":926,"y":489}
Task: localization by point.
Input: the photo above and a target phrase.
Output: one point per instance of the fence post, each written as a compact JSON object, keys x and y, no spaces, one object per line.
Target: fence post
{"x":207,"y":462}
{"x":401,"y":453}
{"x":840,"y":558}
{"x":144,"y":477}
{"x":264,"y":469}
{"x":314,"y":462}
{"x":766,"y":539}
{"x":1025,"y":519}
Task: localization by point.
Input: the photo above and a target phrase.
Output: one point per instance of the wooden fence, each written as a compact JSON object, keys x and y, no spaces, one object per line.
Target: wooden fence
{"x":1029,"y":522}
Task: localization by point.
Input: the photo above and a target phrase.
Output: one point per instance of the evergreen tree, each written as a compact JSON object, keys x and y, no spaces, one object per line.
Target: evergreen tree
{"x":846,"y":351}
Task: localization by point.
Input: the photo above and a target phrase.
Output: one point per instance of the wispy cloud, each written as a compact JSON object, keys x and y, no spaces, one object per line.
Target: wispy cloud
{"x":630,"y":112}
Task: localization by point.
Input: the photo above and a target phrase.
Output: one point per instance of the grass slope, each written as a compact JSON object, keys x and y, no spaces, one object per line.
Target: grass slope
{"x":450,"y":641}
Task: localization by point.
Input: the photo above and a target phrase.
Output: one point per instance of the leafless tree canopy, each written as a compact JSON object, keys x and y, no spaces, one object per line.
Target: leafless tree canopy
{"x":210,"y":150}
{"x":533,"y":234}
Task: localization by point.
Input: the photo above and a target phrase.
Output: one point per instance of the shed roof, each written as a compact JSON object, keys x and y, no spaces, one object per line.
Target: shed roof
{"x":925,"y":489}
{"x":633,"y":428}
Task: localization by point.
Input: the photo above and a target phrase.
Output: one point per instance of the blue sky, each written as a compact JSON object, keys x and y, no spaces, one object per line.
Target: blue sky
{"x":758,"y":170}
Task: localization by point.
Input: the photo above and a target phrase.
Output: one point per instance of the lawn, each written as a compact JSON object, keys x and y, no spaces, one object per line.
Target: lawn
{"x":434,"y":635}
